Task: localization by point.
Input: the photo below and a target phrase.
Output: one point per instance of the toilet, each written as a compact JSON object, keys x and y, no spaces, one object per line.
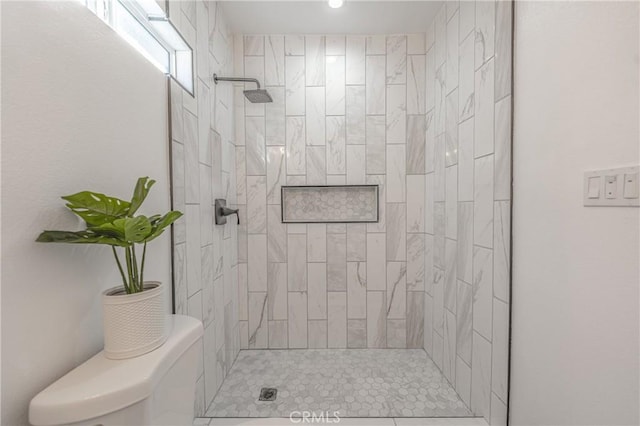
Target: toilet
{"x":157,"y":388}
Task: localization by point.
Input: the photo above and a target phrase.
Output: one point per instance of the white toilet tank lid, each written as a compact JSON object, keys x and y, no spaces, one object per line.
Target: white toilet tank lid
{"x":101,"y":386}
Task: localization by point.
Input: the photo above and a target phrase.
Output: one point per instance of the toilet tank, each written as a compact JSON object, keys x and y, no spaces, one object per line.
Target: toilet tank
{"x":157,"y":388}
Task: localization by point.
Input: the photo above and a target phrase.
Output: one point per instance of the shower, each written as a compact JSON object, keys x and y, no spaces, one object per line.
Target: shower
{"x":256,"y":96}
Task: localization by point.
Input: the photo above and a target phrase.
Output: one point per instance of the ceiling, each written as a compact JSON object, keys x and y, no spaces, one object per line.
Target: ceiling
{"x":316,"y":17}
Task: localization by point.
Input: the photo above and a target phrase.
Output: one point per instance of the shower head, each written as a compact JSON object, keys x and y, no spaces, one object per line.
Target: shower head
{"x":258,"y":96}
{"x":255,"y":96}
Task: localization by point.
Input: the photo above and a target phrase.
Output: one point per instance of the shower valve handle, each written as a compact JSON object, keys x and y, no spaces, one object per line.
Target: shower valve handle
{"x":222,"y":211}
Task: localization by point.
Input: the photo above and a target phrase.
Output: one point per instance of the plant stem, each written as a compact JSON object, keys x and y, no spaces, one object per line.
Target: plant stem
{"x":129,"y":270}
{"x":144,"y":254}
{"x":135,"y":269}
{"x":124,"y":279}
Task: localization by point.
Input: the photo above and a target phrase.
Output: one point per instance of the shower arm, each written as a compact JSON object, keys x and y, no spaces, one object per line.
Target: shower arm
{"x":216,"y":79}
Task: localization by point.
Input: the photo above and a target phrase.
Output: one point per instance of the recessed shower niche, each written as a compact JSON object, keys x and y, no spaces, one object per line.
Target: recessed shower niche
{"x":369,"y":274}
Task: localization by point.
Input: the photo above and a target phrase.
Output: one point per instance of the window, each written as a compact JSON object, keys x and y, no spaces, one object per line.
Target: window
{"x":144,"y":25}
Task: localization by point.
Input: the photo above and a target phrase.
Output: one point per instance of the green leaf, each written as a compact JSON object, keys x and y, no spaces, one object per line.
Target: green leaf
{"x":136,"y":229}
{"x":159,"y":225}
{"x":95,"y":208}
{"x":80,"y":237}
{"x":140,"y":192}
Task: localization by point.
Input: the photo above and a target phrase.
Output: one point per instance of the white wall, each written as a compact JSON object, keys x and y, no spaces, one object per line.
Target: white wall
{"x":80,"y":110}
{"x":575,"y":269}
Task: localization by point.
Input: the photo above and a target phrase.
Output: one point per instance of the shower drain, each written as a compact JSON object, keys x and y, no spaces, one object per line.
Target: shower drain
{"x":268,"y":394}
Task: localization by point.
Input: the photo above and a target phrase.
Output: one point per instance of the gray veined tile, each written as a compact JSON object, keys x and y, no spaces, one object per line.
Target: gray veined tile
{"x":451,"y":129}
{"x":415,"y":203}
{"x":485,"y":31}
{"x":452,"y":7}
{"x":428,"y":263}
{"x":276,"y":174}
{"x":257,"y":204}
{"x":439,"y":219}
{"x":375,"y":85}
{"x":191,"y":156}
{"x":274,"y":117}
{"x":465,"y":241}
{"x":337,"y":319}
{"x":380,"y":181}
{"x":317,"y":290}
{"x":396,"y":231}
{"x":356,"y":333}
{"x":415,"y":320}
{"x":416,"y":85}
{"x":437,"y":291}
{"x":253,"y":45}
{"x":484,"y":110}
{"x":428,"y":325}
{"x":397,"y":334}
{"x":482,"y":291}
{"x":396,"y":174}
{"x":355,"y":59}
{"x":396,"y":59}
{"x":502,"y":173}
{"x":335,"y":85}
{"x":356,"y":290}
{"x":440,"y":46}
{"x":430,"y":140}
{"x":255,"y":146}
{"x":439,"y":169}
{"x":318,"y":334}
{"x":241,"y":175}
{"x":258,"y":322}
{"x":315,"y":117}
{"x":297,"y":262}
{"x":430,"y":79}
{"x":336,"y":262}
{"x":243,"y":292}
{"x":335,"y":45}
{"x":316,"y":165}
{"x":278,"y":338}
{"x":294,"y":45}
{"x":356,"y":242}
{"x":297,"y":319}
{"x":483,"y":202}
{"x":500,"y":349}
{"x":317,"y":242}
{"x":396,"y":114}
{"x":295,"y":85}
{"x":467,"y":18}
{"x":465,"y":161}
{"x":314,"y":60}
{"x":376,"y":261}
{"x":464,"y":330}
{"x":356,"y":164}
{"x":194,"y":275}
{"x":204,"y":124}
{"x":416,"y":144}
{"x":452,"y":52}
{"x":376,"y":44}
{"x":277,"y":288}
{"x":503,"y":48}
{"x":501,"y":249}
{"x":451,"y":202}
{"x":463,"y":381}
{"x":438,"y":347}
{"x":375,"y":142}
{"x":450,"y":286}
{"x":274,"y":60}
{"x":481,"y":376}
{"x":440,"y":95}
{"x":238,"y":110}
{"x":257,"y":261}
{"x":466,"y":83}
{"x":376,"y":320}
{"x":295,"y":144}
{"x":449,"y":348}
{"x":416,"y":44}
{"x":355,"y":118}
{"x":336,"y":145}
{"x":180,"y":279}
{"x":396,"y":290}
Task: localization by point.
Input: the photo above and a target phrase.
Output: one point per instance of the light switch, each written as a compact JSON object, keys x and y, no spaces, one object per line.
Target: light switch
{"x":630,"y":185}
{"x":593,"y":190}
{"x":610,"y":186}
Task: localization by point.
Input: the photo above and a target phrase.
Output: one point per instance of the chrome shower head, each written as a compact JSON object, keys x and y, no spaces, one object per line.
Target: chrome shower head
{"x":258,"y":96}
{"x":255,"y":96}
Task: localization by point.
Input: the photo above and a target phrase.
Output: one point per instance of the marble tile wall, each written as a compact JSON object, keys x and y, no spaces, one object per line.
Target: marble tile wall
{"x":467,"y":200}
{"x":203,"y":169}
{"x":347,"y":110}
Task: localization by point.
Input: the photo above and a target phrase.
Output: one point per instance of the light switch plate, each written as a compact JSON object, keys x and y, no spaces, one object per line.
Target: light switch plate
{"x":615,"y":187}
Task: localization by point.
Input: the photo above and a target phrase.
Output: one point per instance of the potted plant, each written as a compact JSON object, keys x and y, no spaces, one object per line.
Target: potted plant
{"x":135,"y":320}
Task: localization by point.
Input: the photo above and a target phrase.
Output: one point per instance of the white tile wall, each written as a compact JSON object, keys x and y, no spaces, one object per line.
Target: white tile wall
{"x":208,"y":282}
{"x":467,"y":200}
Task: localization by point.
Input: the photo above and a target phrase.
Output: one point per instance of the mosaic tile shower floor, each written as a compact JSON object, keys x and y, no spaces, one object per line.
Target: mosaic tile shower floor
{"x":353,"y":382}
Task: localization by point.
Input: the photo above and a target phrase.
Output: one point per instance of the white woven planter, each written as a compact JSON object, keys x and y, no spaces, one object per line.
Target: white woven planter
{"x":134,"y":324}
